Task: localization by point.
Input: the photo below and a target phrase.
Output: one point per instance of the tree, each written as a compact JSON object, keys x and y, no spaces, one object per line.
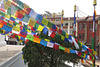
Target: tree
{"x":36,"y":55}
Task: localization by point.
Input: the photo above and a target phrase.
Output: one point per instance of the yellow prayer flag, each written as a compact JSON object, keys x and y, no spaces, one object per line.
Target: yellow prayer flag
{"x":16,"y":28}
{"x":84,"y":56}
{"x":29,"y":31}
{"x":19,"y":37}
{"x":47,"y":40}
{"x":40,"y":28}
{"x":14,"y":17}
{"x":7,"y":16}
{"x":62,"y":37}
{"x":67,"y":35}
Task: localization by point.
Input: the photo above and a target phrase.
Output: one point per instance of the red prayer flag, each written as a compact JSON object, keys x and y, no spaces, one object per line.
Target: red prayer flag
{"x":56,"y":46}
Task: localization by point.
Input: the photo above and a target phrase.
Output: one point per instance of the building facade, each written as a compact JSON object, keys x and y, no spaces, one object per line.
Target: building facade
{"x":68,"y":22}
{"x":85,"y":31}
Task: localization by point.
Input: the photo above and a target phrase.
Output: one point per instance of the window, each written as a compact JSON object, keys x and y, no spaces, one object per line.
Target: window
{"x":72,"y":24}
{"x":66,"y":31}
{"x":58,"y":26}
{"x":80,"y":26}
{"x":71,"y":31}
{"x":58,"y":19}
{"x":80,"y":37}
{"x":66,"y":24}
{"x":91,"y":27}
{"x":84,"y":25}
{"x":83,"y":37}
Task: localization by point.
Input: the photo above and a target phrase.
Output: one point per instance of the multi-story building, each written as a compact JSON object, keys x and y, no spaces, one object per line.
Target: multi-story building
{"x":68,"y":22}
{"x":85,"y":31}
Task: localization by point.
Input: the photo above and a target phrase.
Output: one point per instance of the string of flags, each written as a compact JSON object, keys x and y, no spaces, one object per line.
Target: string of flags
{"x":18,"y":20}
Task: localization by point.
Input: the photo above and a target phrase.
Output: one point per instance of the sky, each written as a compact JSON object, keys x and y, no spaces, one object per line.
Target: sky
{"x":85,"y":7}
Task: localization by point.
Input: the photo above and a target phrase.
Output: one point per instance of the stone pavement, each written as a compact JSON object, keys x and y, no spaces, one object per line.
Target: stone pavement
{"x":8,"y":51}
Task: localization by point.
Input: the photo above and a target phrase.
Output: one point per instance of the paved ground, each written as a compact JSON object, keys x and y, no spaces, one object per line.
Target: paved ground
{"x":97,"y":63}
{"x":8,"y":51}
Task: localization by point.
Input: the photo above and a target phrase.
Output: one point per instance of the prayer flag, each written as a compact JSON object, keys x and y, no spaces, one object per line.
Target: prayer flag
{"x":45,"y":21}
{"x":39,"y":18}
{"x":30,"y":37}
{"x":45,"y":30}
{"x":44,"y":43}
{"x":61,"y":47}
{"x":37,"y":40}
{"x":50,"y":44}
{"x":40,"y":28}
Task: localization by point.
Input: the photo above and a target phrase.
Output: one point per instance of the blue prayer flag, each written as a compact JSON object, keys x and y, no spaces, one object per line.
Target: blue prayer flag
{"x":44,"y":43}
{"x":45,"y":30}
{"x":39,"y":18}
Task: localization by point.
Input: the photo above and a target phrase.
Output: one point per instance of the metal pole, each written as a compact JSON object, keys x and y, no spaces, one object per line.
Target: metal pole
{"x":94,"y":4}
{"x":74,"y":22}
{"x":62,"y":19}
{"x":94,"y":38}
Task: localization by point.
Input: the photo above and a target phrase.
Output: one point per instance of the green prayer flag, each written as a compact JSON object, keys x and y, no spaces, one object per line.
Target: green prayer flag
{"x":30,"y":37}
{"x":2,"y":13}
{"x":9,"y":11}
{"x":58,"y":36}
{"x":79,"y":43}
{"x":50,"y":25}
{"x":36,"y":25}
{"x":63,"y":33}
{"x":62,"y":48}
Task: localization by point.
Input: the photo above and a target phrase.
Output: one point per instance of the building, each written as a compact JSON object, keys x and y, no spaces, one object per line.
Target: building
{"x":85,"y":30}
{"x":68,"y":22}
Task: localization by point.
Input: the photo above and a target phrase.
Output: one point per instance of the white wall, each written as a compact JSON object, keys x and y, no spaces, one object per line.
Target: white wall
{"x":15,"y":61}
{"x":2,"y":40}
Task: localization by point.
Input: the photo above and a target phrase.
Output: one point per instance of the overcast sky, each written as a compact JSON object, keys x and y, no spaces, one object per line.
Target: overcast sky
{"x":85,"y":6}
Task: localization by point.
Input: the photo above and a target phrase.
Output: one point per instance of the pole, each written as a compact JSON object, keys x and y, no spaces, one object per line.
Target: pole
{"x":94,"y":24}
{"x":62,"y":19}
{"x":54,"y":18}
{"x":74,"y":21}
{"x":94,"y":38}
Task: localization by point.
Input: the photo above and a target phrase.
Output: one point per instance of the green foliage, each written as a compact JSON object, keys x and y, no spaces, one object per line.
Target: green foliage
{"x":36,"y":55}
